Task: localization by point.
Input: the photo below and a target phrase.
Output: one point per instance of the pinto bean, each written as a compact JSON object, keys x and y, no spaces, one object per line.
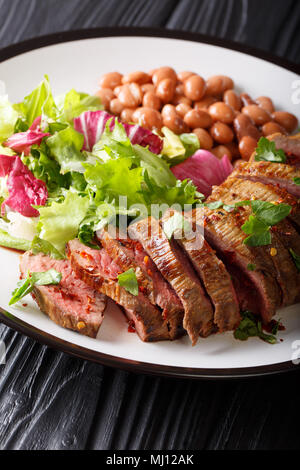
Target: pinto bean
{"x":162,"y":73}
{"x":130,"y":95}
{"x":110,"y":80}
{"x":220,"y":151}
{"x":272,"y":128}
{"x":286,"y":120}
{"x":232,"y":99}
{"x":148,"y":117}
{"x":184,"y":75}
{"x":151,"y":100}
{"x":221,"y":133}
{"x":246,"y":99}
{"x":105,"y":95}
{"x":194,"y":87}
{"x":116,"y":107}
{"x":137,"y":77}
{"x":179,"y":90}
{"x":165,"y":90}
{"x":173,"y":120}
{"x":127,"y":115}
{"x":258,"y":115}
{"x":197,"y":118}
{"x":182,"y":109}
{"x":244,"y":126}
{"x":247,"y":146}
{"x":205,"y":102}
{"x":205,"y":139}
{"x":221,"y":112}
{"x":266,"y":103}
{"x":177,"y":99}
{"x":148,"y":87}
{"x":217,"y":84}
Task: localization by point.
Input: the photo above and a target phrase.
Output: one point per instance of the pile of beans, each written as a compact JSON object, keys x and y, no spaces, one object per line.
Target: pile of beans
{"x":224,"y":121}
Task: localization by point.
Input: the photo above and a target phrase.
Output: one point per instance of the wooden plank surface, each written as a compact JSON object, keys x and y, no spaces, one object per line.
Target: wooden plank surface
{"x":49,"y":400}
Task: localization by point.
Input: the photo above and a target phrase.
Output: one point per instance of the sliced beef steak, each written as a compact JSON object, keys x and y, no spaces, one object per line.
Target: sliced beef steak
{"x":177,"y":270}
{"x":99,"y":271}
{"x":127,"y":254}
{"x":71,"y":304}
{"x":257,"y":290}
{"x":278,"y":174}
{"x":213,"y":274}
{"x":284,"y":236}
{"x":236,"y":189}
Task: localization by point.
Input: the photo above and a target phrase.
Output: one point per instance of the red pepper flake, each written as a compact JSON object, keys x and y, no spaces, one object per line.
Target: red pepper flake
{"x":24,"y":305}
{"x":86,"y":255}
{"x":149,"y":272}
{"x":131,"y":327}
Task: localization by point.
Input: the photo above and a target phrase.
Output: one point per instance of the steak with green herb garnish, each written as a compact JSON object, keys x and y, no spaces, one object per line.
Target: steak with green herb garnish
{"x":257,"y":289}
{"x":97,"y":270}
{"x":128,"y":254}
{"x":177,"y":270}
{"x":71,"y":304}
{"x":214,"y":277}
{"x":281,"y":233}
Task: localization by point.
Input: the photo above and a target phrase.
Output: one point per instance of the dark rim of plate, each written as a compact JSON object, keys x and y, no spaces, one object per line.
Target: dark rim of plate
{"x":95,"y":356}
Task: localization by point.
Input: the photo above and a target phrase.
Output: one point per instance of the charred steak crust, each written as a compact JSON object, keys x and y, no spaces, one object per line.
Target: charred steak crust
{"x":71,"y":304}
{"x":237,"y":189}
{"x":147,"y":318}
{"x":176,"y":269}
{"x":222,"y":231}
{"x":130,"y":254}
{"x":214,"y":276}
{"x":277,"y":174}
{"x":284,"y":235}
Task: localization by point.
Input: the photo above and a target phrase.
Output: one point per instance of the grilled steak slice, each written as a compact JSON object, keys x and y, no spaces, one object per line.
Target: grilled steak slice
{"x":127,"y":254}
{"x":177,"y":270}
{"x":236,"y":189}
{"x":257,"y":290}
{"x":96,"y":269}
{"x":214,"y":276}
{"x":284,"y":236}
{"x":278,"y":174}
{"x":71,"y":304}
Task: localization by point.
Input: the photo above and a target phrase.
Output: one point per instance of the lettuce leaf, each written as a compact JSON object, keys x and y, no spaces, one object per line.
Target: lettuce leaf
{"x":60,"y":222}
{"x":65,"y":146}
{"x":73,"y":103}
{"x":39,"y":102}
{"x":9,"y":241}
{"x":8,"y":118}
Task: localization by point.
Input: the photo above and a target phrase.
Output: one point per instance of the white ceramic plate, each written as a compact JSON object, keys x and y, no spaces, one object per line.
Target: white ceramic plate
{"x":76,"y":60}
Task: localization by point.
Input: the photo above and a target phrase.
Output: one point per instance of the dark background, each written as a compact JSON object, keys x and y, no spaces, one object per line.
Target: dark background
{"x":49,"y":400}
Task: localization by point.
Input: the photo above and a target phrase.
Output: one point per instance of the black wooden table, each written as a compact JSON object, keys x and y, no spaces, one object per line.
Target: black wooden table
{"x":49,"y":400}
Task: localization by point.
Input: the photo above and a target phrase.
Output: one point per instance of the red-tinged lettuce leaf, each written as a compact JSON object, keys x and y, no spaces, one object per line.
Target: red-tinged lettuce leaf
{"x":6,"y":164}
{"x":22,"y":141}
{"x":204,"y":169}
{"x":92,"y":125}
{"x":24,"y":189}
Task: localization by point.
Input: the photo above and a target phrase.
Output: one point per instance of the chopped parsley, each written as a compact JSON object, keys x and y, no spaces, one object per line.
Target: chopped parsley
{"x":251,"y":326}
{"x":297,"y":181}
{"x":266,"y":151}
{"x":296,"y":258}
{"x":251,"y":267}
{"x":258,"y":226}
{"x":25,"y":286}
{"x":129,"y":281}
